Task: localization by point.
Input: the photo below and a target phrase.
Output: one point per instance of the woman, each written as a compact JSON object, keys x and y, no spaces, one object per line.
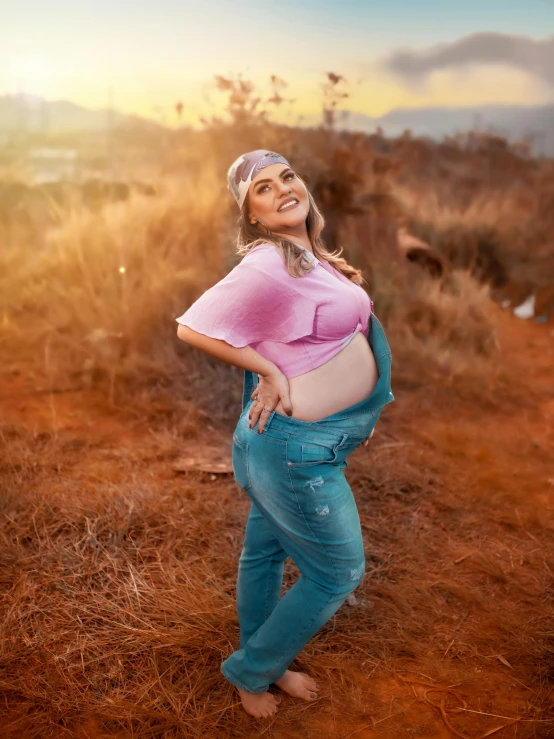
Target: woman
{"x":317,"y":375}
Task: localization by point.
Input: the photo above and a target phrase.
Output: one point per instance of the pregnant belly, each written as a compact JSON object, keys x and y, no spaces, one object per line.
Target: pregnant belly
{"x":344,"y":380}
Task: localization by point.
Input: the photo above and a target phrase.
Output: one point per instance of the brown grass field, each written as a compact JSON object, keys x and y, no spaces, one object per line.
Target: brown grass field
{"x":118,"y":555}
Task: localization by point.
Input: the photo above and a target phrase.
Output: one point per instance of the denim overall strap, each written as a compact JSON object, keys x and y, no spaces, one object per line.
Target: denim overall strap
{"x":249,"y":383}
{"x":383,"y":347}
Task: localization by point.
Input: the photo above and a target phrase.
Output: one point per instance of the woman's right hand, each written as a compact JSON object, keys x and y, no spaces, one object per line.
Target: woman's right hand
{"x":272,"y":388}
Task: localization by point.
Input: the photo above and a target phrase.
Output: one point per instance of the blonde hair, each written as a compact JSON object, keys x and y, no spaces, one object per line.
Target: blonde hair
{"x":294,"y":256}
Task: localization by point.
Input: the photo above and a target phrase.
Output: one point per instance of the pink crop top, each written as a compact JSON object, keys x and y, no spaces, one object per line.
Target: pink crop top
{"x":296,"y":323}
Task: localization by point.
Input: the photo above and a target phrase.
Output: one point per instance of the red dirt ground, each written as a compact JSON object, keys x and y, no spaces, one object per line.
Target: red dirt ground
{"x":457,"y":505}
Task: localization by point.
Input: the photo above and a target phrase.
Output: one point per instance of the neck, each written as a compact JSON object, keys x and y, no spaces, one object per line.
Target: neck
{"x":298,"y":236}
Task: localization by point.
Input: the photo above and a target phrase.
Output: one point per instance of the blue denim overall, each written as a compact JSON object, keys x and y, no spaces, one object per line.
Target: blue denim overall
{"x":302,"y":507}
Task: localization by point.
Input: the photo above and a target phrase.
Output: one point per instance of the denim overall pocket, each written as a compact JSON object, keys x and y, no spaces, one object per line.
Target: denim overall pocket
{"x":303,"y":453}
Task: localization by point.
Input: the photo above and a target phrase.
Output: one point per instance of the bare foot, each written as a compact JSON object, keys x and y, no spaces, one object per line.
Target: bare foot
{"x":298,"y":684}
{"x":259,"y":705}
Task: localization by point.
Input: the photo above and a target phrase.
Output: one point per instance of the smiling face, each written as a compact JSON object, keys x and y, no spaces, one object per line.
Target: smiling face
{"x":270,"y":191}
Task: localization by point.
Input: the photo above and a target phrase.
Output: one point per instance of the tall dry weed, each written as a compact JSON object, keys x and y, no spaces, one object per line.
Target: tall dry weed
{"x":108,"y":284}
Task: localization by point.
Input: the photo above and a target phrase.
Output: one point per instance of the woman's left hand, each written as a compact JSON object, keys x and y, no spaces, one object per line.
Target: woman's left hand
{"x":366,"y":441}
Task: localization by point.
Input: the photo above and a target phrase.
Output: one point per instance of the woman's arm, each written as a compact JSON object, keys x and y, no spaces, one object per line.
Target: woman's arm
{"x":244,"y":357}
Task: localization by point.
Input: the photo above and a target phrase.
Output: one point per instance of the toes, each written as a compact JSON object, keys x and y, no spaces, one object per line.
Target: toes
{"x":310,"y":695}
{"x":311,"y":685}
{"x":309,"y":682}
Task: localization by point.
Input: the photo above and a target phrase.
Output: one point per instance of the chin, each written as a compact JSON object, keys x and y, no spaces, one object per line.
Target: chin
{"x":294,"y":218}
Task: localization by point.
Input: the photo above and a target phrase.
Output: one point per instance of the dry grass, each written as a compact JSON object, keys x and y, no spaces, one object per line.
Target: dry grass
{"x":118,"y":588}
{"x":100,"y":296}
{"x":451,"y":322}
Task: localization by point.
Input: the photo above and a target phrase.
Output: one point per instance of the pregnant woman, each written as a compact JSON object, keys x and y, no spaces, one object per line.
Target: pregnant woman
{"x":317,"y":375}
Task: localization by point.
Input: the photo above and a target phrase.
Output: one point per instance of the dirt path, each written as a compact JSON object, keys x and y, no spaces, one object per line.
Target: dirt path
{"x":450,"y":633}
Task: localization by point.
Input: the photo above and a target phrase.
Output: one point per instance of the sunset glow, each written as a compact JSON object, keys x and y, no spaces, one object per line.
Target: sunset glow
{"x":152,"y":56}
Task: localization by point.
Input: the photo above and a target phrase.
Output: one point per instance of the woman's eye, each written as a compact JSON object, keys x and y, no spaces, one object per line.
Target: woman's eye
{"x":290,"y":174}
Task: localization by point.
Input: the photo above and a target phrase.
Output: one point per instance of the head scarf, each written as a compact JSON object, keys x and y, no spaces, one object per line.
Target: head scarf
{"x":243,"y":170}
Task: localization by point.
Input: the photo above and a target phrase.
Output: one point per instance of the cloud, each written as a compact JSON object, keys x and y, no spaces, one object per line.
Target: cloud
{"x":528,"y":55}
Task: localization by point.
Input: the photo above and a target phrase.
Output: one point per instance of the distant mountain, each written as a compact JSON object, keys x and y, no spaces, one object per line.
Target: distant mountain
{"x":511,"y":121}
{"x":34,"y":114}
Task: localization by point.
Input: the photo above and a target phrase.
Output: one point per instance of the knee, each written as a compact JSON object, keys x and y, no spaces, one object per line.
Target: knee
{"x":350,"y":579}
{"x":357,"y":575}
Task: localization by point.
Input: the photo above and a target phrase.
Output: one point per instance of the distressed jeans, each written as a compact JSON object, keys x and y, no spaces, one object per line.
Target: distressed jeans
{"x":301,"y":507}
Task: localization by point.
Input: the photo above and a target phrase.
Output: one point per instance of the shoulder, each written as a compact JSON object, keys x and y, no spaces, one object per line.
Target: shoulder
{"x":266,"y":258}
{"x":264,"y":271}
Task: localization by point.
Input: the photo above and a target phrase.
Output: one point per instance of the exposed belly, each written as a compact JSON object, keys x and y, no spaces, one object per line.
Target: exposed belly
{"x":344,"y":380}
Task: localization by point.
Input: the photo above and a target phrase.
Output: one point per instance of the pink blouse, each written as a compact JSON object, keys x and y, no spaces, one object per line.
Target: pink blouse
{"x":296,"y":323}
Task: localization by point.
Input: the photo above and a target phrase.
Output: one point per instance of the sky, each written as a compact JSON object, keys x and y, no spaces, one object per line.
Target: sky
{"x":146,"y":55}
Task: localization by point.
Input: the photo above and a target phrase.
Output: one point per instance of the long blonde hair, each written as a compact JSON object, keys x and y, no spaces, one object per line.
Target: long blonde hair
{"x":249,"y":236}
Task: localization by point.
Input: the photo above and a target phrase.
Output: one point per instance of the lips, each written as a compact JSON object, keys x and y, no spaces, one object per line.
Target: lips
{"x":289,"y":200}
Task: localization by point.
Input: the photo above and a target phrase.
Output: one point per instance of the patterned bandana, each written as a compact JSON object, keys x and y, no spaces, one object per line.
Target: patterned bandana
{"x":243,"y":170}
